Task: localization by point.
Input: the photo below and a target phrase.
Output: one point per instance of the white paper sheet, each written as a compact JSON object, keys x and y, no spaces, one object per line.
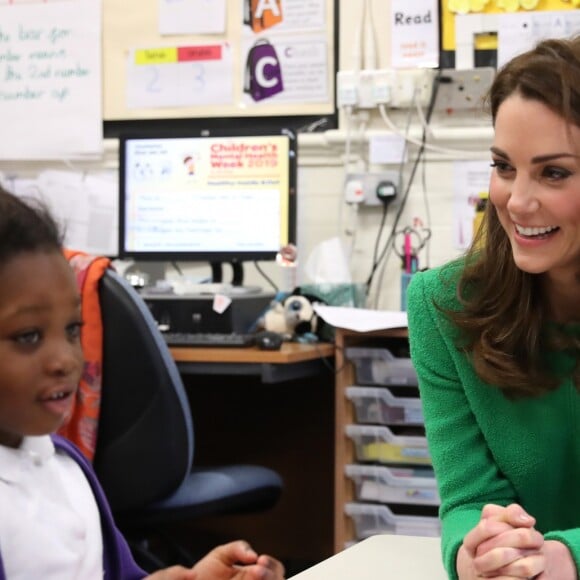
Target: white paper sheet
{"x":50,"y":71}
{"x":361,"y":319}
{"x":85,"y":204}
{"x":414,"y":33}
{"x":470,"y":178}
{"x":520,"y":31}
{"x":192,"y":16}
{"x":387,"y":149}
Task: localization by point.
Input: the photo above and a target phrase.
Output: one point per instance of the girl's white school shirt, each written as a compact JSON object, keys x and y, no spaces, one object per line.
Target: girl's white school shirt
{"x":49,"y":520}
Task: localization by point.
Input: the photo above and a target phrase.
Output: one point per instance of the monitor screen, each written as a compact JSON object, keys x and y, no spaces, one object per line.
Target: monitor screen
{"x":215,"y":196}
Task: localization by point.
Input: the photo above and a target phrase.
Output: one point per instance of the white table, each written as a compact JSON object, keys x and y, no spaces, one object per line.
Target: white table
{"x":382,"y":557}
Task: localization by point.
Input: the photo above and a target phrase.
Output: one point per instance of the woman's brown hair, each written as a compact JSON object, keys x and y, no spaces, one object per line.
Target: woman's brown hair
{"x":503,"y":320}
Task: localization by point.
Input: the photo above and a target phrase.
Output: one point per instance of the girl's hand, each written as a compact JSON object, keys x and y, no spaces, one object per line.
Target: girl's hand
{"x":237,"y":561}
{"x":233,"y":561}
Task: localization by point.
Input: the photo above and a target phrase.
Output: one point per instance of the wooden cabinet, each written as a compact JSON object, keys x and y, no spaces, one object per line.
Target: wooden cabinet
{"x":346,"y":376}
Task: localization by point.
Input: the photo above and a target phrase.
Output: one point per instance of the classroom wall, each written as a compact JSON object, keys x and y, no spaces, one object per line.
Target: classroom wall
{"x":323,"y":173}
{"x":322,"y":170}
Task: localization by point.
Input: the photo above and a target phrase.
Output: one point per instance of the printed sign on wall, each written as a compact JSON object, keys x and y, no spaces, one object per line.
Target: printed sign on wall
{"x":285,"y":69}
{"x":180,"y":76}
{"x":283,"y":15}
{"x":414,"y":34}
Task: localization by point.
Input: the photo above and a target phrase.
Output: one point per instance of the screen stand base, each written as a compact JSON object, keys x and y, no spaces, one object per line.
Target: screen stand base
{"x":237,"y":278}
{"x":217,"y":275}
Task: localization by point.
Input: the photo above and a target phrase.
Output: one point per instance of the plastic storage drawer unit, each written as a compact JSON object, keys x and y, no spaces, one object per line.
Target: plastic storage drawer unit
{"x":379,"y":405}
{"x":378,"y":366}
{"x":380,"y":444}
{"x":370,"y":519}
{"x":394,"y":484}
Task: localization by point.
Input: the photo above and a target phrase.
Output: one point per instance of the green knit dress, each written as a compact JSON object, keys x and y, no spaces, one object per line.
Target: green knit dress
{"x":484,"y":447}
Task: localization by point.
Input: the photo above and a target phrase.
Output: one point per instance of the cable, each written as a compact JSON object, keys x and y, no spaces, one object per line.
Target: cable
{"x":352,"y":231}
{"x":347,"y":145}
{"x":370,"y":45}
{"x":421,"y":143}
{"x":417,"y":103}
{"x":177,"y":268}
{"x":266,"y":277}
{"x":427,"y":213}
{"x":357,"y":45}
{"x":409,"y":184}
{"x":376,"y":259}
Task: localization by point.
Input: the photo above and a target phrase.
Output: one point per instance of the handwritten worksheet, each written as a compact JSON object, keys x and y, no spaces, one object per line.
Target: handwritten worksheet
{"x":50,"y":71}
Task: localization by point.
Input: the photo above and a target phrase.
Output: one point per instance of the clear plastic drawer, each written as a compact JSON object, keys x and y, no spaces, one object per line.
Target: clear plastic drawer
{"x":374,"y":483}
{"x":370,"y":519}
{"x":381,"y":445}
{"x":378,"y":366}
{"x":379,"y":405}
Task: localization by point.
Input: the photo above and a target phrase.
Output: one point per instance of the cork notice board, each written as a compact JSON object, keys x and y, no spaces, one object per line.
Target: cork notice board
{"x":147,"y":75}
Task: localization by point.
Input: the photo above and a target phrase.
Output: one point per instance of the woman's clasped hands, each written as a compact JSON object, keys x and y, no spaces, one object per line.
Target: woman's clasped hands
{"x":505,"y":545}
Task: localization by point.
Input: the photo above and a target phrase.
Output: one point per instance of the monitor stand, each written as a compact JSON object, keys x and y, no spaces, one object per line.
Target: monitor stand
{"x":237,"y":278}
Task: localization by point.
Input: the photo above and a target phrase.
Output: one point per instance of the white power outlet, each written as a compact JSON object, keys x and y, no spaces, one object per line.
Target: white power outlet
{"x":383,"y":81}
{"x":366,"y":97}
{"x":346,"y":88}
{"x":412,"y":86}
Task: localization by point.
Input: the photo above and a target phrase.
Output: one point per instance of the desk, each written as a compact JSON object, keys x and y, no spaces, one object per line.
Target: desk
{"x":382,"y":557}
{"x":292,"y":361}
{"x":272,"y":408}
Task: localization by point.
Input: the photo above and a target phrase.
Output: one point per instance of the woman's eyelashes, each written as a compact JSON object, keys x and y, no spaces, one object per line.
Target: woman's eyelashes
{"x":555,"y":173}
{"x":501,"y":166}
{"x":549,"y":172}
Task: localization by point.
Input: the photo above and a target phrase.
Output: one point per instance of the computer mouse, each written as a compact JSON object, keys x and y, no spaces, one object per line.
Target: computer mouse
{"x":268,"y":340}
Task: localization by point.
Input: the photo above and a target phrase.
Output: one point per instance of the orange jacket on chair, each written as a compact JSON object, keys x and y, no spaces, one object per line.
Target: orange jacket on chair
{"x":82,"y":426}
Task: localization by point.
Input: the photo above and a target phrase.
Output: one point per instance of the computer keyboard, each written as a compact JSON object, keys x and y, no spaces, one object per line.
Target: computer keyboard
{"x":208,"y":339}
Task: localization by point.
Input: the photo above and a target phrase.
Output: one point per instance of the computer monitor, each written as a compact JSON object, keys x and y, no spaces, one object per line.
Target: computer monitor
{"x":216,"y":196}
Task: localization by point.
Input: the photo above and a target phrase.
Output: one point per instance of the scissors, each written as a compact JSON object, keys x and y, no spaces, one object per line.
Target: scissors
{"x":409,"y":241}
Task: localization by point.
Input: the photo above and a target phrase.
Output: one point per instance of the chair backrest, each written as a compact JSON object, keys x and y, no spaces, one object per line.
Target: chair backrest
{"x":145,"y":439}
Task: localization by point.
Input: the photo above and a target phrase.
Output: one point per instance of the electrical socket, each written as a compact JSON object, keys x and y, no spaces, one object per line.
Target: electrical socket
{"x":356,"y":89}
{"x":370,"y":183}
{"x":412,"y":86}
{"x":383,"y":81}
{"x":346,"y":88}
{"x":366,"y":97}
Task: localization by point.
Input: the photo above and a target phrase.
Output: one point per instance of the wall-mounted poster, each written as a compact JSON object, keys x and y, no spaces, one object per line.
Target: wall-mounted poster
{"x":272,"y":58}
{"x":474,"y":42}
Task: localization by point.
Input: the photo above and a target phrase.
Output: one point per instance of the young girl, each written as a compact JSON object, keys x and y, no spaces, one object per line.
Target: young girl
{"x":55,"y":522}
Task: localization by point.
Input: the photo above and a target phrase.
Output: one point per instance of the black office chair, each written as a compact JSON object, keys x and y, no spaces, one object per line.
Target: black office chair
{"x":145,"y":445}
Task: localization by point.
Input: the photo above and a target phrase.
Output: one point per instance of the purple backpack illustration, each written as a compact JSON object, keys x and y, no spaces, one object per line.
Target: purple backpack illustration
{"x":263,"y":77}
